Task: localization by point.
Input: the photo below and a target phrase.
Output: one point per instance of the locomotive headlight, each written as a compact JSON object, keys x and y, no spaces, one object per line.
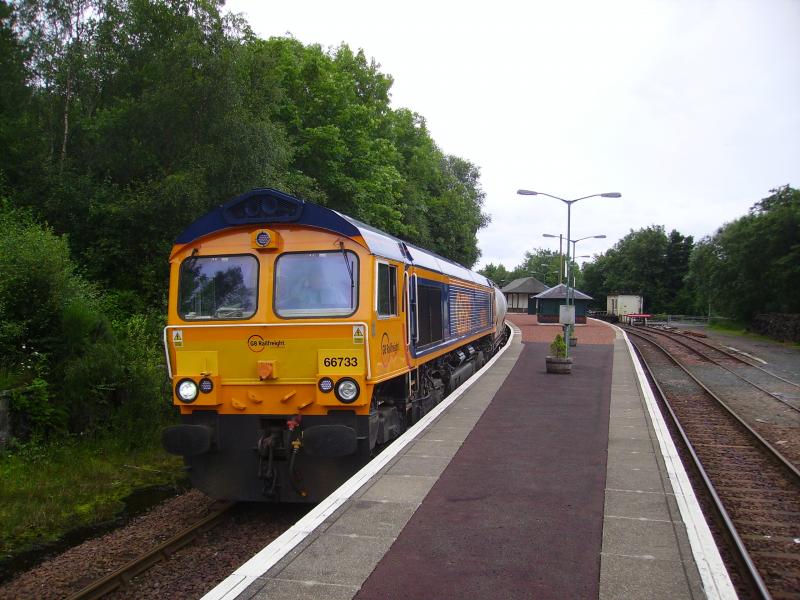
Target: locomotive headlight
{"x":186,"y":390}
{"x":346,"y":390}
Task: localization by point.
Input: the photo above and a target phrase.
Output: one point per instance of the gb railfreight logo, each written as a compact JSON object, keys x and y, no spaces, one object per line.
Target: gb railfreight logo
{"x":388,"y":349}
{"x":256,"y":343}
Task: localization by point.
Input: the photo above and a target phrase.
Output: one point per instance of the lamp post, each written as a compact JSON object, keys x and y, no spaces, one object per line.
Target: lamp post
{"x":569,"y":204}
{"x":560,"y":254}
{"x":545,"y":266}
{"x":574,"y":252}
{"x":545,"y":272}
{"x":557,"y":280}
{"x":575,"y":242}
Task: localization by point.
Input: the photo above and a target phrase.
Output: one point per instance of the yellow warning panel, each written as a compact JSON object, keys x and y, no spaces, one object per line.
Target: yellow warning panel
{"x":196,"y":362}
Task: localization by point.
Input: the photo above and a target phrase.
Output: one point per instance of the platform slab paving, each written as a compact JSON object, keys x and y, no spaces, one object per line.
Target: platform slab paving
{"x":645,"y":552}
{"x":335,"y":560}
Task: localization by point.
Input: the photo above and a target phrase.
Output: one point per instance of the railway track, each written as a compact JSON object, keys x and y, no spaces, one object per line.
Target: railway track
{"x":760,"y":398}
{"x":753,"y":488}
{"x":745,"y":368}
{"x":122,"y":576}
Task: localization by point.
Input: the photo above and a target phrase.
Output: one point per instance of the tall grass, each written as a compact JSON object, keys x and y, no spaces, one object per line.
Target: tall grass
{"x":48,"y":490}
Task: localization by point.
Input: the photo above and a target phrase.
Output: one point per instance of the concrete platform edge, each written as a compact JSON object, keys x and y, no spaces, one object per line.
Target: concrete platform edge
{"x":716,"y":581}
{"x":247,"y":574}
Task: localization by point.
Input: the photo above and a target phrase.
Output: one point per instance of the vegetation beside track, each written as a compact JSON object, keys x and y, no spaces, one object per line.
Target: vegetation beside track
{"x":739,"y":328}
{"x":51,"y":489}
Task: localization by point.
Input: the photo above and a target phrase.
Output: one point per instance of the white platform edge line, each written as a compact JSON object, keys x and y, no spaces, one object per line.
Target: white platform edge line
{"x":716,"y":581}
{"x":269,"y":556}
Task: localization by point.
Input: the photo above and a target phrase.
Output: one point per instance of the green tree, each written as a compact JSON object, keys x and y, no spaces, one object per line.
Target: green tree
{"x":356,"y":154}
{"x":542,"y":263}
{"x":163,"y":133}
{"x":701,"y":283}
{"x":594,"y":275}
{"x":753,"y":263}
{"x":679,"y":250}
{"x":147,"y":114}
{"x":497,"y":273}
{"x":455,"y":214}
{"x":21,"y":145}
{"x":646,"y":262}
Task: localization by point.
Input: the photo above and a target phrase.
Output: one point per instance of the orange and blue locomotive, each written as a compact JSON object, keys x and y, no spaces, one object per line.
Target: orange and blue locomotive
{"x":299,"y":339}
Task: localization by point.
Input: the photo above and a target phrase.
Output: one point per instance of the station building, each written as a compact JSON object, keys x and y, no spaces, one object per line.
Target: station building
{"x":550,"y":300}
{"x":521,"y":294}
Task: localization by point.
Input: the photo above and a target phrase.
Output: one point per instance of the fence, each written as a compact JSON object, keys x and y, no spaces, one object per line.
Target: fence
{"x":676,"y":320}
{"x":657,"y":319}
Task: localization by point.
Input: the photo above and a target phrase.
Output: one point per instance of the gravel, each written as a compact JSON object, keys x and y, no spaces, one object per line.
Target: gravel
{"x":187,"y":574}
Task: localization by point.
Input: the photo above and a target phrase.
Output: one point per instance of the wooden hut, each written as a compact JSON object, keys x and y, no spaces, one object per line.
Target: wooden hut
{"x":521,"y":294}
{"x":550,"y":301}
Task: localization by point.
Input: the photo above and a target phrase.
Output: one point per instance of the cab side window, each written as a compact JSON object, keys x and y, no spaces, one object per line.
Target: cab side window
{"x":387,"y":290}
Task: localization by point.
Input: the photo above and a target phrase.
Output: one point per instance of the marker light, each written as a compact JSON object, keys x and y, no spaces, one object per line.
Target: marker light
{"x":186,"y":390}
{"x":206,"y":385}
{"x":325,"y":385}
{"x":263,"y":239}
{"x":347,"y":390}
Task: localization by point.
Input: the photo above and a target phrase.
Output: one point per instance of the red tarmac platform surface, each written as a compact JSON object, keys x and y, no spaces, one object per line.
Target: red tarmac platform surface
{"x":593,"y":332}
{"x":518,"y":512}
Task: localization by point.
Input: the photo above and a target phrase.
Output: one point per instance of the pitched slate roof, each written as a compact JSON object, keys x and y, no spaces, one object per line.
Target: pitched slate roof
{"x":559,"y":292}
{"x":524,"y":285}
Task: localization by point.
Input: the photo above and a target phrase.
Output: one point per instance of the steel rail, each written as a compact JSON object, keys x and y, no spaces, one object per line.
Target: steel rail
{"x":764,"y":443}
{"x":722,"y":351}
{"x":122,"y":576}
{"x":672,"y":336}
{"x":742,"y":556}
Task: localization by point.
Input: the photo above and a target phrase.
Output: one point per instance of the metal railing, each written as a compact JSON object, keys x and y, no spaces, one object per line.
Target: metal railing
{"x":659,"y":319}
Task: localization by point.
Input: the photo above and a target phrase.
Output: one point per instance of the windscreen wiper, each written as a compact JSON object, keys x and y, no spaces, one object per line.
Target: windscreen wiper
{"x":349,"y":266}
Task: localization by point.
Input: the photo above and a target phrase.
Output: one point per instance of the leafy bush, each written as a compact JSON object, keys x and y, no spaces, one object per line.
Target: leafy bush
{"x":558,"y":348}
{"x":79,"y":372}
{"x":144,"y":395}
{"x":35,"y":412}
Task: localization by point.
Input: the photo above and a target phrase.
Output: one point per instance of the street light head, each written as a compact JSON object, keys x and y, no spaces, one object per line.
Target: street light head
{"x":549,"y":235}
{"x":611,"y":195}
{"x":527,"y":193}
{"x":600,"y":236}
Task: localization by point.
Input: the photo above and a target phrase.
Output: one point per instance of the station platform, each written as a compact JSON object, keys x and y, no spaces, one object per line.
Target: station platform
{"x":523,"y":485}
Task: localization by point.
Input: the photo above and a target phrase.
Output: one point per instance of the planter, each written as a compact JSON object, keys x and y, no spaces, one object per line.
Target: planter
{"x":561,"y":366}
{"x":573,"y":341}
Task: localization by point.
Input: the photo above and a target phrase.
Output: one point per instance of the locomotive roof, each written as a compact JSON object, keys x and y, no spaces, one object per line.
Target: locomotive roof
{"x":266,"y":206}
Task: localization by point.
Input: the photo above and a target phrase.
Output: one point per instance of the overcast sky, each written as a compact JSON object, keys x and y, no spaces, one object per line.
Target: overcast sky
{"x":690,"y":109}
